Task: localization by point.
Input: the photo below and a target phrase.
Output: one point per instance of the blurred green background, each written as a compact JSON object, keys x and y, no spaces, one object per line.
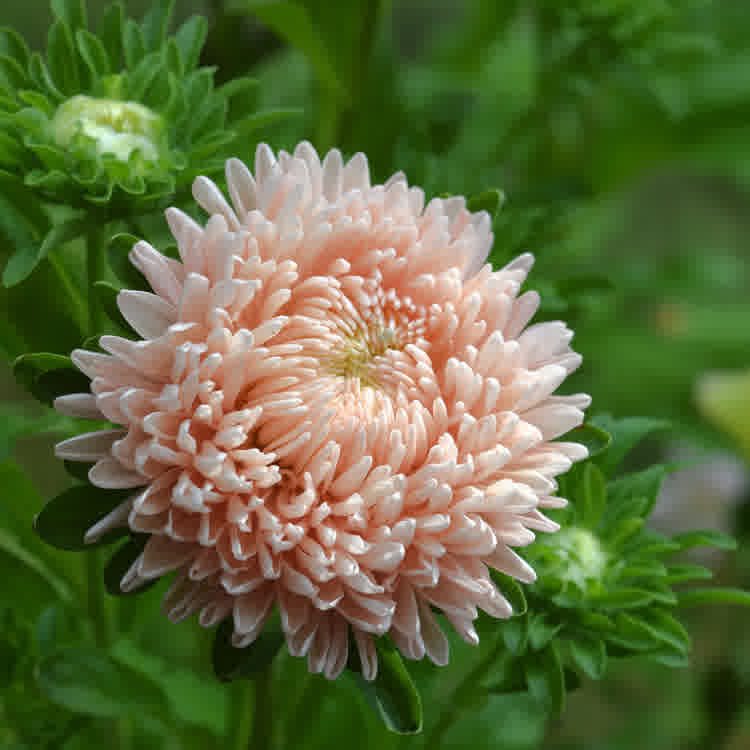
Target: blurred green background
{"x":618,"y":131}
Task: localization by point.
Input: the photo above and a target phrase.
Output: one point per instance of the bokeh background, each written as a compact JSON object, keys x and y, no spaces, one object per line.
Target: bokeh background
{"x":618,"y":131}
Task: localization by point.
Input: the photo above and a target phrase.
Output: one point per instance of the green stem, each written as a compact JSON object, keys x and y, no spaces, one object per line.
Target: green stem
{"x":97,"y":605}
{"x":261,"y":737}
{"x":95,"y":271}
{"x":239,"y":715}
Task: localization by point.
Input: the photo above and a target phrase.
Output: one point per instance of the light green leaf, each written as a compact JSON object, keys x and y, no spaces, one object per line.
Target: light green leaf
{"x":705,"y":538}
{"x":293,"y":23}
{"x":62,"y":58}
{"x":490,"y":201}
{"x":72,"y":12}
{"x":589,"y":655}
{"x":190,"y":38}
{"x":88,"y":681}
{"x":592,"y":501}
{"x":545,"y":679}
{"x":718,"y":595}
{"x":93,"y":53}
{"x":626,"y":434}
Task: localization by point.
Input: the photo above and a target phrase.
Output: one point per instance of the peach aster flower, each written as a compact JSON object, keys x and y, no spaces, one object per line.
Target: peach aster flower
{"x":336,"y":407}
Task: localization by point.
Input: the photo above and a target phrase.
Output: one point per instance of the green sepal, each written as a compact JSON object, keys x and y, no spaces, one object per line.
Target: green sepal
{"x":66,"y":518}
{"x":13,"y":45}
{"x":62,"y":58}
{"x":72,"y":12}
{"x":393,"y":694}
{"x":110,"y":34}
{"x":231,"y":663}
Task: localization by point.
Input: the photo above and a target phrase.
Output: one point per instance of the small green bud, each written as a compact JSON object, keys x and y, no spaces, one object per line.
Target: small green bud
{"x":582,"y":556}
{"x":117,"y":128}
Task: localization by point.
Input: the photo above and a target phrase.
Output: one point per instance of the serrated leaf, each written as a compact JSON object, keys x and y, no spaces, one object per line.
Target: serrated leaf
{"x":589,"y":655}
{"x":718,"y":595}
{"x":88,"y":681}
{"x":293,"y":22}
{"x":705,"y":538}
{"x":490,"y":201}
{"x":626,"y":434}
{"x":645,"y":484}
{"x":393,"y":694}
{"x":190,"y":38}
{"x":67,"y":517}
{"x":232,"y":663}
{"x":27,"y":258}
{"x":545,"y":679}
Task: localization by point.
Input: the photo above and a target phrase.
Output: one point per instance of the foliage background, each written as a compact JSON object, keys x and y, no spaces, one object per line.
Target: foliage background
{"x":618,"y":131}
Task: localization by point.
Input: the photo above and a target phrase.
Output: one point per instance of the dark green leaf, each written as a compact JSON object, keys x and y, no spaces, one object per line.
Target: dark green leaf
{"x":28,"y":367}
{"x":20,"y":234}
{"x":686,"y":572}
{"x":78,"y":470}
{"x":66,"y":518}
{"x":26,"y":259}
{"x":545,"y":679}
{"x":110,"y":33}
{"x":393,"y":694}
{"x":93,"y":53}
{"x":118,"y":249}
{"x":190,"y":38}
{"x":594,"y":438}
{"x":589,"y":655}
{"x":511,"y":590}
{"x":119,"y":564}
{"x":707,"y":538}
{"x":626,"y":434}
{"x":156,"y":23}
{"x":62,"y":58}
{"x":11,"y":152}
{"x":699,"y":597}
{"x":490,"y":201}
{"x":645,"y":484}
{"x":53,"y":383}
{"x":13,"y":45}
{"x":133,"y":43}
{"x":232,"y":663}
{"x":541,"y":632}
{"x":72,"y":12}
{"x":514,"y":633}
{"x":12,"y":72}
{"x":107,"y":296}
{"x":88,"y":681}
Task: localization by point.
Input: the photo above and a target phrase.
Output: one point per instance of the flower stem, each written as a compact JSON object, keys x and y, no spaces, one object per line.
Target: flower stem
{"x":97,"y":606}
{"x":240,"y":718}
{"x":261,"y":737}
{"x":94,"y":271}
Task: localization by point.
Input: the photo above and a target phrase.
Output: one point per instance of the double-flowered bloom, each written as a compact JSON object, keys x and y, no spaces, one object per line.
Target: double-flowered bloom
{"x":336,"y":407}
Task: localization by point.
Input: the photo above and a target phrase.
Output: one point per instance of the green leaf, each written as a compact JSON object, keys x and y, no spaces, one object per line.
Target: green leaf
{"x":107,"y":295}
{"x":67,"y":517}
{"x":626,"y":434}
{"x":545,"y":679}
{"x":232,"y":663}
{"x":133,"y":43}
{"x":12,"y":72}
{"x":190,"y":38}
{"x":718,"y":595}
{"x":53,"y":383}
{"x":293,"y":23}
{"x":490,"y":201}
{"x":541,"y":632}
{"x":511,"y":590}
{"x":589,"y":655}
{"x":592,"y":500}
{"x":88,"y":681}
{"x":595,"y":439}
{"x":27,"y":258}
{"x":62,"y":59}
{"x":642,"y":484}
{"x":72,"y":12}
{"x":12,"y":546}
{"x":707,"y":538}
{"x":119,"y":564}
{"x":686,"y":572}
{"x":194,"y":700}
{"x":118,"y":249}
{"x":13,"y":45}
{"x":622,"y":598}
{"x":110,"y":33}
{"x":584,"y":284}
{"x":21,"y":235}
{"x":93,"y":52}
{"x":156,"y":23}
{"x":514,"y":634}
{"x":11,"y":152}
{"x":27,"y":367}
{"x":393,"y":694}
